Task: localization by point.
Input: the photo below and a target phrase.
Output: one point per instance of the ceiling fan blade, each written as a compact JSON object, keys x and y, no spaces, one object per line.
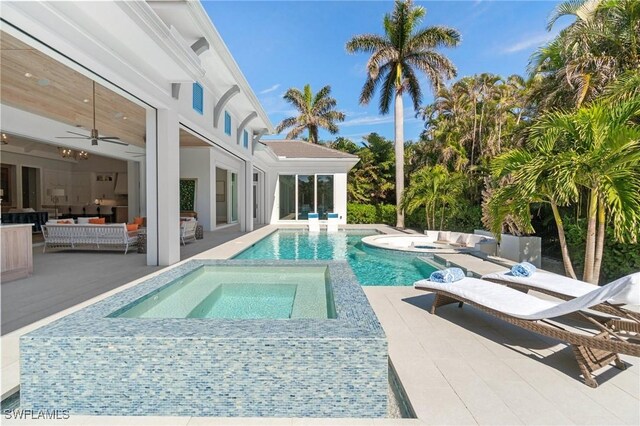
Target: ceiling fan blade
{"x":116,"y":142}
{"x":109,"y":137}
{"x":72,"y":137}
{"x":76,"y":133}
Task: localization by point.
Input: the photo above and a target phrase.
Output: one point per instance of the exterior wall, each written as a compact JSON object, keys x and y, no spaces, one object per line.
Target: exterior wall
{"x":304,"y":368}
{"x":196,"y":163}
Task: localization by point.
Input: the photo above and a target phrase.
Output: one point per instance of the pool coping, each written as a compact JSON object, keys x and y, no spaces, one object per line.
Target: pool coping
{"x":355,"y":317}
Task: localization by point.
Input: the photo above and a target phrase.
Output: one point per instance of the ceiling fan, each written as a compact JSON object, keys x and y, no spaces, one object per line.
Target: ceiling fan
{"x":94,"y":137}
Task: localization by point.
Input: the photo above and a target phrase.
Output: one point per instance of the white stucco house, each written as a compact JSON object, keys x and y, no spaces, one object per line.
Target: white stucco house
{"x":157,"y":80}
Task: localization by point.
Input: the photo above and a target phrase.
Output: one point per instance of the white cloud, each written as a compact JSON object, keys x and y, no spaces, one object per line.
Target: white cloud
{"x":528,"y":42}
{"x":375,"y":120}
{"x":270,"y":89}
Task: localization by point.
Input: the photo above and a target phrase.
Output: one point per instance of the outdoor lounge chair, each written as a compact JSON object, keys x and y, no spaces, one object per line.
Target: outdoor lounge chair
{"x":593,"y":351}
{"x":566,"y":288}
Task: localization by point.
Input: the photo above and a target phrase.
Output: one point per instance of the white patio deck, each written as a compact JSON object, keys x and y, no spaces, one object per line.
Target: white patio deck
{"x":458,"y":367}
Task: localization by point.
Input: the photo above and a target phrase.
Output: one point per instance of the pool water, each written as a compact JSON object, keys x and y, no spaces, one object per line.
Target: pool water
{"x":372,"y":267}
{"x":239,"y":293}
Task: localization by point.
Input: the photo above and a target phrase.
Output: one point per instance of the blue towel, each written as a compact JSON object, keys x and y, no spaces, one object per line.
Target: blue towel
{"x":523,"y":269}
{"x":448,"y":275}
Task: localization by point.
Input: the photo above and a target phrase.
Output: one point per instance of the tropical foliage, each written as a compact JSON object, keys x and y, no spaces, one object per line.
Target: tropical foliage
{"x":555,"y":154}
{"x":315,"y":112}
{"x":396,"y":58}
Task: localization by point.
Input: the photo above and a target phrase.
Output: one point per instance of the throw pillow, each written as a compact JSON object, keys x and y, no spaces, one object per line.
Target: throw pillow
{"x":99,"y":221}
{"x":132,"y":227}
{"x":138,"y":220}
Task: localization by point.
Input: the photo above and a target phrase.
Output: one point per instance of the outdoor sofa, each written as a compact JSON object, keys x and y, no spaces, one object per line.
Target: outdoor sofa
{"x":86,"y":236}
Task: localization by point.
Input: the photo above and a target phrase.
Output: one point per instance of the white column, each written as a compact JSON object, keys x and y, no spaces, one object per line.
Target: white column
{"x":212,"y":191}
{"x":163,"y":196}
{"x":248,"y":196}
{"x":133,"y":189}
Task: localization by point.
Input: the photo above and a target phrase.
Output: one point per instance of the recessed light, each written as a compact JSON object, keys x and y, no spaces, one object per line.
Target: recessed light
{"x":28,"y":74}
{"x":85,"y":101}
{"x":124,"y":118}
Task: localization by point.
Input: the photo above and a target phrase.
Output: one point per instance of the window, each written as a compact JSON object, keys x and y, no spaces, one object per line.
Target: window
{"x":198,"y":98}
{"x":324,"y":195}
{"x":301,"y":194}
{"x":306,"y":201}
{"x":287,"y":197}
{"x":245,"y":139}
{"x":227,"y":123}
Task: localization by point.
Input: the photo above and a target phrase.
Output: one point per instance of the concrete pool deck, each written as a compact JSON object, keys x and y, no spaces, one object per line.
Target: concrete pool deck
{"x":458,"y":367}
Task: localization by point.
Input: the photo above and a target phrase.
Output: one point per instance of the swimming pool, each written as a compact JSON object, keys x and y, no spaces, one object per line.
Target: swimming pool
{"x":372,"y":267}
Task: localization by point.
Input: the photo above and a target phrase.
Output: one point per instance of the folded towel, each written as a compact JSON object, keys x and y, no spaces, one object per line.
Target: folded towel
{"x":448,"y":275}
{"x":523,"y":269}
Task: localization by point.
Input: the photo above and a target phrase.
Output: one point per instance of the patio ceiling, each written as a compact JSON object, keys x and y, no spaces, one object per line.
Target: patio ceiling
{"x":36,"y":83}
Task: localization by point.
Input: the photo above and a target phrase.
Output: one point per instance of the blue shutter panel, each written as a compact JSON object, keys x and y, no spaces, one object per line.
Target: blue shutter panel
{"x":246,"y":139}
{"x":198,"y":98}
{"x":227,"y":123}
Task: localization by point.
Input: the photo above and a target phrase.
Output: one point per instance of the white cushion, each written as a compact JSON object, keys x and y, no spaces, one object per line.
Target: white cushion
{"x":630,"y":295}
{"x":515,"y":303}
{"x":453,"y":236}
{"x":85,"y":220}
{"x":433,"y":235}
{"x":463,"y":239}
{"x":444,"y":235}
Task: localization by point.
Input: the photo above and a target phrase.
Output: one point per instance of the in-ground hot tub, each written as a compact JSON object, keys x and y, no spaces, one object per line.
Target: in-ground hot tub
{"x":412,"y":243}
{"x":182,"y":344}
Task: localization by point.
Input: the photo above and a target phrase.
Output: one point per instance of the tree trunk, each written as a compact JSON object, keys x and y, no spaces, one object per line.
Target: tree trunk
{"x":568,"y":267}
{"x":399,"y":141}
{"x":599,"y":241}
{"x":426,"y":208}
{"x":442,"y":216}
{"x":473,"y":139}
{"x":590,"y":245}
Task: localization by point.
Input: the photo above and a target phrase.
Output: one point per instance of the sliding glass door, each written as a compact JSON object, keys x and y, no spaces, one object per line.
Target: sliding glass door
{"x":302,"y":194}
{"x":324,"y":195}
{"x":306,"y":196}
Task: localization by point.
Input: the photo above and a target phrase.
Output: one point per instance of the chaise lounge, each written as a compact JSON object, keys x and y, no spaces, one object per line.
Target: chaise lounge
{"x":593,"y":350}
{"x":566,"y":288}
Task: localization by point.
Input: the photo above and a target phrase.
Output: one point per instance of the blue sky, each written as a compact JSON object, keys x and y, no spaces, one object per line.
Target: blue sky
{"x":282,"y":44}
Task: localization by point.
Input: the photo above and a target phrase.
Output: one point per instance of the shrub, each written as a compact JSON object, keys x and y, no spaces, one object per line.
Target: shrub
{"x":618,"y":259}
{"x":370,"y":214}
{"x":463,"y":218}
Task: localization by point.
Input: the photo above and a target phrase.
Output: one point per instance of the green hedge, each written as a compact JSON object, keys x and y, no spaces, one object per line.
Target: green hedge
{"x":369,"y":213}
{"x":618,"y":259}
{"x":462,"y":219}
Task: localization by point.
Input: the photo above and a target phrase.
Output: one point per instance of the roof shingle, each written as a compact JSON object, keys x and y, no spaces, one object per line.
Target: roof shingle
{"x":301,"y":149}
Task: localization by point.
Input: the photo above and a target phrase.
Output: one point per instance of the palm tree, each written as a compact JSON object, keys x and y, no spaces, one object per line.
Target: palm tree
{"x":315,"y":112}
{"x":432,"y":188}
{"x":602,"y":43}
{"x":597,"y":149}
{"x":395,"y":57}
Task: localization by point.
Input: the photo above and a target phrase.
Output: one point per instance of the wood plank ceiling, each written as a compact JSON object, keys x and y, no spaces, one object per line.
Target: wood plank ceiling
{"x":36,"y":83}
